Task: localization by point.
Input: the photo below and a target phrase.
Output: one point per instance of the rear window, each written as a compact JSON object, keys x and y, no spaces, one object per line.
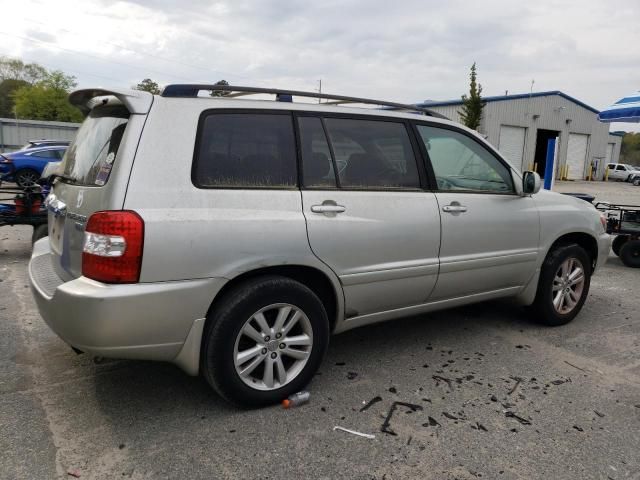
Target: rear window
{"x":245,"y":150}
{"x":91,"y":156}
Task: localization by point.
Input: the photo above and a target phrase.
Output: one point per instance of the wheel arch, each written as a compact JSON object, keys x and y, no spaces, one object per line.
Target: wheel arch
{"x":327,"y":289}
{"x":585,"y":240}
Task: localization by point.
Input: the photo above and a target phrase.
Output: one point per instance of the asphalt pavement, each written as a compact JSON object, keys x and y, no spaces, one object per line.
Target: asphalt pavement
{"x":483,"y":392}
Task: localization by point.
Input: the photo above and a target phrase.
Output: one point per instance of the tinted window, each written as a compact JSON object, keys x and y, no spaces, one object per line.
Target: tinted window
{"x":91,"y":156}
{"x":461,"y":163}
{"x":620,"y":167}
{"x":372,"y":154}
{"x":45,"y":154}
{"x":317,"y":167}
{"x":246,"y":150}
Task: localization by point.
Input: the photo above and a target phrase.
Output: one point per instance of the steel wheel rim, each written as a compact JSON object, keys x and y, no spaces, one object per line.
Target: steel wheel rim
{"x":27,"y":179}
{"x":568,"y":285}
{"x":273,"y":346}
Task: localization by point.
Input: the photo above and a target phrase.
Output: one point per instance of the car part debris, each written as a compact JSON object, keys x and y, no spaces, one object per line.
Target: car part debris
{"x":371,"y":402}
{"x":353,"y":432}
{"x":386,"y":425}
{"x":296,"y":399}
{"x":518,"y":380}
{"x":431,"y":423}
{"x":439,"y":379}
{"x":523,"y":421}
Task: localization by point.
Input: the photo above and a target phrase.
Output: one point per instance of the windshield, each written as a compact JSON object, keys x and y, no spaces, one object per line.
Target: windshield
{"x":91,"y":155}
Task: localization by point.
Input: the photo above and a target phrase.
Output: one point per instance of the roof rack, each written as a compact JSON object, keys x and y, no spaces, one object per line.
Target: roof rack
{"x":192,"y":90}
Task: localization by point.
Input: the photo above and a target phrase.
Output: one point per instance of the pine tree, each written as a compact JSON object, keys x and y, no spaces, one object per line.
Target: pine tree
{"x":472,"y":105}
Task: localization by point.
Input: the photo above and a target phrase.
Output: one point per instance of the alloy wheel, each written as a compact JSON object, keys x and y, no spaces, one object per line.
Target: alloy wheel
{"x":273,"y":346}
{"x":568,"y":284}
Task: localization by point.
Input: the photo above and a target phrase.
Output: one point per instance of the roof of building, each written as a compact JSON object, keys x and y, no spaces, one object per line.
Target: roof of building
{"x":500,"y":98}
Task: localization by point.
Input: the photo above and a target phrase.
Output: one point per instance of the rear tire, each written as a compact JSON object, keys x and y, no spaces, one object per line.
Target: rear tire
{"x":26,"y":177}
{"x":563,"y":286}
{"x":630,"y":253}
{"x":618,"y":242}
{"x":636,"y":181}
{"x":244,"y":340}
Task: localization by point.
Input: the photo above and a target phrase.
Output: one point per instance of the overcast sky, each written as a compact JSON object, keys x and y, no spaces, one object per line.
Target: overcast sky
{"x":396,"y":50}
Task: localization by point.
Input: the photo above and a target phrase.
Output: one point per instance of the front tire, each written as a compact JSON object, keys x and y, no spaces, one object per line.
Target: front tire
{"x":264,"y":341}
{"x":563,"y":287}
{"x":630,"y":253}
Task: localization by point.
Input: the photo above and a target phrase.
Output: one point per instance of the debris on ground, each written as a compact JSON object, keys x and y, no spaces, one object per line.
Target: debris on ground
{"x":431,"y":423}
{"x":353,"y":432}
{"x":600,"y":414}
{"x":523,"y":421}
{"x":371,"y":402}
{"x":351,"y":375}
{"x":479,"y":426}
{"x":439,"y":378}
{"x":449,"y":416}
{"x":580,"y":429}
{"x":296,"y":399}
{"x":575,"y":366}
{"x":393,"y":390}
{"x":386,"y":425}
{"x":74,"y":473}
{"x":518,"y":381}
{"x":494,"y":398}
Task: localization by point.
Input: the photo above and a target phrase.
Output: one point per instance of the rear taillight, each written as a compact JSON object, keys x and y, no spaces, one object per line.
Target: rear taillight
{"x":113,"y":243}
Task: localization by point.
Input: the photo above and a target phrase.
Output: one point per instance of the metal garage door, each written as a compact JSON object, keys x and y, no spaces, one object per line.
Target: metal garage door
{"x":512,"y":144}
{"x":609,"y":154}
{"x":577,"y":155}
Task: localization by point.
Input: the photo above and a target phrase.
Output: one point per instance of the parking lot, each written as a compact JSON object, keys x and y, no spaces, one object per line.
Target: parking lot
{"x":485,"y":392}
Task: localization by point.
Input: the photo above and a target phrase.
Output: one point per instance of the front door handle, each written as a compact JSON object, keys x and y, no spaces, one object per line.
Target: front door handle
{"x":454,"y":207}
{"x":327,"y":208}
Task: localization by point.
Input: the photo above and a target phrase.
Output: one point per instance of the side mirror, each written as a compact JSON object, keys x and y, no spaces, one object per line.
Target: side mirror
{"x":530,"y":183}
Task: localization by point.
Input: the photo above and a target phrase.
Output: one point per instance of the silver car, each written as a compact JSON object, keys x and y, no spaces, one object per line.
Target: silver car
{"x":232,"y":236}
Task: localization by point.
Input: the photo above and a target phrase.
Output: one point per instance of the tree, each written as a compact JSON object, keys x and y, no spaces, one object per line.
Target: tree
{"x":472,"y":105}
{"x":630,"y":151}
{"x":47,"y":99}
{"x":148,"y":85}
{"x":220,"y":93}
{"x":29,"y":90}
{"x":15,"y":69}
{"x":7,"y":89}
{"x":41,"y":102}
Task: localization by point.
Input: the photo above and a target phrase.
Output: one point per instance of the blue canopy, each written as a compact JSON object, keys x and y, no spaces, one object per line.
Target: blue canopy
{"x":626,"y":109}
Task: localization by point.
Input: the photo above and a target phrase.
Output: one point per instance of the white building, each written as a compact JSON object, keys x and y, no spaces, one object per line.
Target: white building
{"x":521,"y":125}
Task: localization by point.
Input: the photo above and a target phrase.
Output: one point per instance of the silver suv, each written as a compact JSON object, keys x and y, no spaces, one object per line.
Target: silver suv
{"x":233,"y":236}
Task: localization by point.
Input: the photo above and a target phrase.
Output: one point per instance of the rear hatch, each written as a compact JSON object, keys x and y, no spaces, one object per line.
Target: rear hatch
{"x":95,"y":170}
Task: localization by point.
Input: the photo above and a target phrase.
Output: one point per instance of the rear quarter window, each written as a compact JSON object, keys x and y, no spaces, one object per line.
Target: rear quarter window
{"x":245,"y":150}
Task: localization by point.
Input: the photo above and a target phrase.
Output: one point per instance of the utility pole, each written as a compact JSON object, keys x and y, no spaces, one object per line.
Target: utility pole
{"x":319,"y":89}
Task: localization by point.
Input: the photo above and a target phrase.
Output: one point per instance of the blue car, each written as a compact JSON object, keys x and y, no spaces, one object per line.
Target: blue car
{"x":24,"y":167}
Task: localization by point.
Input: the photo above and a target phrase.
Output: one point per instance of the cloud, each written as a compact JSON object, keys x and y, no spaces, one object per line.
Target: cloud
{"x":403,"y":51}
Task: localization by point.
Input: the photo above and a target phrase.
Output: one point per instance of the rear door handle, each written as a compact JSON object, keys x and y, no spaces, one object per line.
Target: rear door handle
{"x":327,"y":208}
{"x":454,"y":208}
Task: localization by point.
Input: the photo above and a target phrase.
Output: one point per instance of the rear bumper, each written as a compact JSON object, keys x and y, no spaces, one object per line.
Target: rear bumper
{"x":149,"y":321}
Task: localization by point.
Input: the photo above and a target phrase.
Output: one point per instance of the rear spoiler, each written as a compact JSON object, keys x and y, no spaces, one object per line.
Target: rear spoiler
{"x":136,"y":101}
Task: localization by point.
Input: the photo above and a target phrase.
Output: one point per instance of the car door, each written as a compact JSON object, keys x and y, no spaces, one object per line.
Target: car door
{"x":621,"y":172}
{"x":490,"y":234}
{"x":367,"y":216}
